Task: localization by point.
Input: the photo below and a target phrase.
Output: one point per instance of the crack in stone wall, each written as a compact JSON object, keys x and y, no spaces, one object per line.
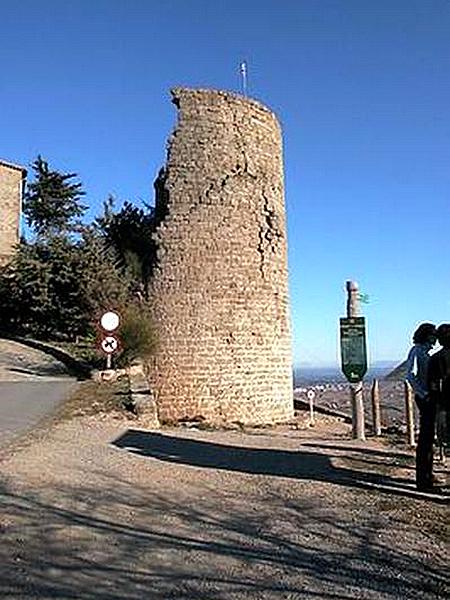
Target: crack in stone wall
{"x":270,"y":233}
{"x":220,"y":291}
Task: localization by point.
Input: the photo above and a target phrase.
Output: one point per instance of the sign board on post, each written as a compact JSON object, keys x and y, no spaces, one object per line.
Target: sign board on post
{"x":353,"y":348}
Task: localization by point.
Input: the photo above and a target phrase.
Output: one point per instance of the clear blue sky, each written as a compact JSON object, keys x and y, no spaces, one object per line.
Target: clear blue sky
{"x":362,"y":89}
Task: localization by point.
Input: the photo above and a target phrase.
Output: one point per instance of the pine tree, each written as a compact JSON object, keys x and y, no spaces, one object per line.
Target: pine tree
{"x":52,"y":203}
{"x":57,"y":284}
{"x":129,"y":233}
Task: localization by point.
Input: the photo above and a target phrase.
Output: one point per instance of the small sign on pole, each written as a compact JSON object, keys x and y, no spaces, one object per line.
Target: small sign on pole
{"x":311,"y":394}
{"x":109,"y":343}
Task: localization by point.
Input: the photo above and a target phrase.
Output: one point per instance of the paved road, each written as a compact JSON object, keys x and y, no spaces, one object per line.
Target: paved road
{"x":24,"y":404}
{"x":32,"y":384}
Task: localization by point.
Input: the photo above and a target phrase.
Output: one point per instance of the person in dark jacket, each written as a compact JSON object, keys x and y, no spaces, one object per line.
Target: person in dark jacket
{"x":424,"y":339}
{"x":439,"y":380}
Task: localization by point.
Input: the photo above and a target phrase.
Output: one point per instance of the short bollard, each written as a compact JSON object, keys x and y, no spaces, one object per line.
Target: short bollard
{"x":358,"y":428}
{"x":376,"y":414}
{"x":311,"y":395}
{"x":409,"y":411}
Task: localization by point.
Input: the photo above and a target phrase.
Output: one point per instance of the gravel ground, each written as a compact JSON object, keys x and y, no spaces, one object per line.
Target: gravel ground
{"x":95,"y":508}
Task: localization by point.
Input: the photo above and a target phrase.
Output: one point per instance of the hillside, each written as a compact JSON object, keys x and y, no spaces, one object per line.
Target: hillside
{"x":398,"y":373}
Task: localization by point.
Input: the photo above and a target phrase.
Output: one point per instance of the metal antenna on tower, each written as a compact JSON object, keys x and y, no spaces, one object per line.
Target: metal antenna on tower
{"x":244,"y":77}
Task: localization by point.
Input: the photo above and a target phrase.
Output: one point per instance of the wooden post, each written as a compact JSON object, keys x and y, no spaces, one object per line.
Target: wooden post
{"x":356,"y":389}
{"x":376,"y":415}
{"x":409,"y":410}
{"x":358,"y":428}
{"x":352,"y":299}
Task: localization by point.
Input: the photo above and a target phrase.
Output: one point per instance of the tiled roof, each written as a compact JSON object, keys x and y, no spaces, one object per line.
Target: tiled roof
{"x":5,"y":163}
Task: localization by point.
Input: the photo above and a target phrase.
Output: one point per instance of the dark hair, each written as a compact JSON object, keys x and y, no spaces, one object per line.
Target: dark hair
{"x":423,"y":332}
{"x":443,"y":335}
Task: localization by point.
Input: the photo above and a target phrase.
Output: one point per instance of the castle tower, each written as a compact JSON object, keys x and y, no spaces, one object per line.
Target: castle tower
{"x":220,"y":289}
{"x":11,"y":187}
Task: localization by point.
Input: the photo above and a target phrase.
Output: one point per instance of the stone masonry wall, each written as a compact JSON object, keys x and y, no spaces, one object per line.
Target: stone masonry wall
{"x":220,"y":288}
{"x":11,"y":178}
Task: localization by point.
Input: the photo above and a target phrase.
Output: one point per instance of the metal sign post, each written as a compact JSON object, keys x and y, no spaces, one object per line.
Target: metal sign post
{"x":109,"y":344}
{"x":354,"y":357}
{"x":311,"y":394}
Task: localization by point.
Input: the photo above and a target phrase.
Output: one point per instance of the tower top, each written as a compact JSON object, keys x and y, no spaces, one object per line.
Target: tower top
{"x":216,"y":96}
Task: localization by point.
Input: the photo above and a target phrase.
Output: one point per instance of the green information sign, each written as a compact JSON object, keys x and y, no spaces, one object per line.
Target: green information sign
{"x":353,"y":348}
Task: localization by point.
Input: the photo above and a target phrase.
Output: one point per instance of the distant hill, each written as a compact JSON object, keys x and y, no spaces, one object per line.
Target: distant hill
{"x":307,"y":375}
{"x":398,"y":373}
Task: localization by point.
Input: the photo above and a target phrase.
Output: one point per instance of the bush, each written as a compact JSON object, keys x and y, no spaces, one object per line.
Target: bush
{"x":53,"y":289}
{"x":137,"y":333}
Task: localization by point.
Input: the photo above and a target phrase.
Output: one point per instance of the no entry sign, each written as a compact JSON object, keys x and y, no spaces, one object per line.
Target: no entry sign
{"x":353,"y":348}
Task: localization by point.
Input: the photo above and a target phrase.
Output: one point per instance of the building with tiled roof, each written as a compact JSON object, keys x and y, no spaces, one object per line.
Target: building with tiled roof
{"x":12,"y":180}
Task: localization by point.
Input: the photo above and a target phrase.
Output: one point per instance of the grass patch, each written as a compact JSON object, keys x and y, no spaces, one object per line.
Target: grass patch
{"x":94,"y":398}
{"x":84,"y":351}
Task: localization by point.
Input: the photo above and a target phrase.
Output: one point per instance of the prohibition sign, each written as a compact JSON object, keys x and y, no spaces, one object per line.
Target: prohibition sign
{"x":109,"y":344}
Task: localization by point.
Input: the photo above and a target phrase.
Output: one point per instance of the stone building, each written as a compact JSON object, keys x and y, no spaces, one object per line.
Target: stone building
{"x":220,"y":286}
{"x":12,"y":178}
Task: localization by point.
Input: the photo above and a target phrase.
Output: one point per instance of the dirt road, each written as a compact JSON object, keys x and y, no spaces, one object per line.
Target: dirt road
{"x":97,"y":509}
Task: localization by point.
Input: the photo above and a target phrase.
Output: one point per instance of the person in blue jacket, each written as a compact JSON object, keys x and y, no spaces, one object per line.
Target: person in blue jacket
{"x":418,"y":360}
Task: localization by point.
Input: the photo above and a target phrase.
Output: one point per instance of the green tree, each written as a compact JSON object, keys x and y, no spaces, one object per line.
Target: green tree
{"x":129,"y":233}
{"x":52,"y":203}
{"x":104,"y":282}
{"x":24,"y":300}
{"x":57,"y":289}
{"x":58,"y":284}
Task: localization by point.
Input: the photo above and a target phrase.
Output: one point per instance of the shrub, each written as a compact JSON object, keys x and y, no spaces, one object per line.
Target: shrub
{"x":137,"y":333}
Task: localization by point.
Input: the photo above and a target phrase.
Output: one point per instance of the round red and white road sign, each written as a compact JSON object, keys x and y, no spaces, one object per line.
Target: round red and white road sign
{"x":109,"y":344}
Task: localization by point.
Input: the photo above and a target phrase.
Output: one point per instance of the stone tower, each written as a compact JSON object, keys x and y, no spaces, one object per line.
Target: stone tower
{"x":11,"y":186}
{"x":220,"y":287}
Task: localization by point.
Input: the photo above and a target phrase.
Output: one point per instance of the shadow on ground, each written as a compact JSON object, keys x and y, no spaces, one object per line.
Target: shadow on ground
{"x":45,"y":370}
{"x":301,"y":464}
{"x":132,"y":542}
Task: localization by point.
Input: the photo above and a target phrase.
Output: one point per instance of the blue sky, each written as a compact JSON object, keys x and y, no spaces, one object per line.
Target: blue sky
{"x":362,"y":90}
